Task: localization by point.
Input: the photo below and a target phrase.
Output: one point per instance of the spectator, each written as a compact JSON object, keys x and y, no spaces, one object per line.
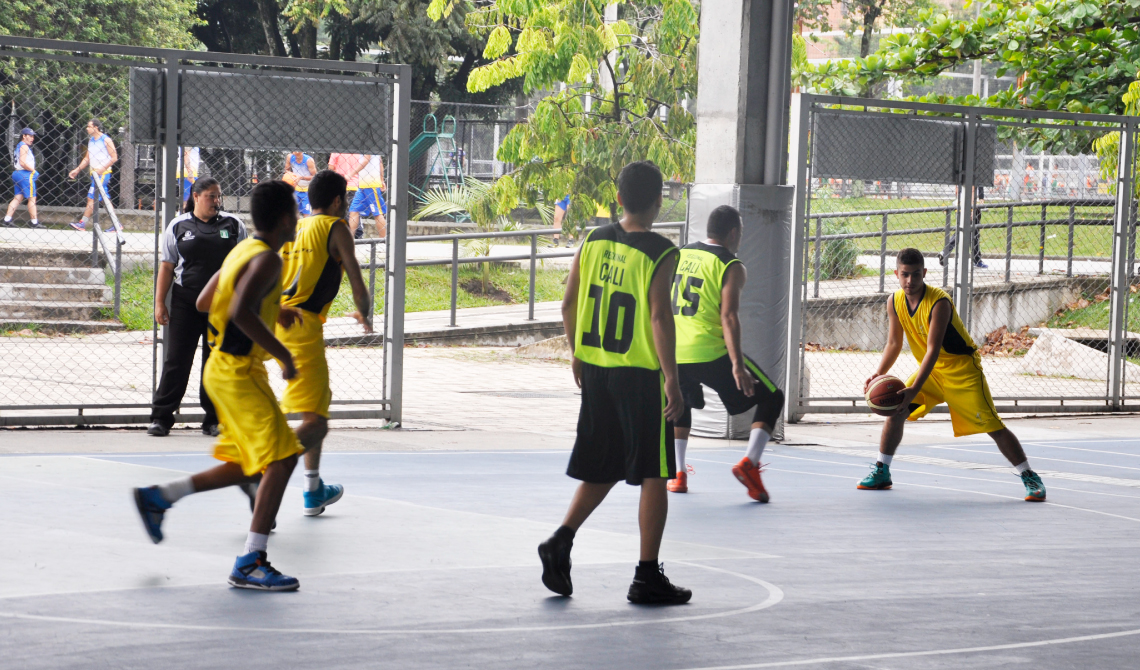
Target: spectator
{"x":193,"y":248}
{"x":101,"y":155}
{"x":369,"y":199}
{"x":190,"y":161}
{"x":299,"y":170}
{"x":976,"y":245}
{"x":349,"y":167}
{"x":24,"y":178}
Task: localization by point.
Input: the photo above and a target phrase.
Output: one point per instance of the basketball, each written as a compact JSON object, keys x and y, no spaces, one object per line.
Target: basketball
{"x":884,"y":394}
{"x":289,"y":178}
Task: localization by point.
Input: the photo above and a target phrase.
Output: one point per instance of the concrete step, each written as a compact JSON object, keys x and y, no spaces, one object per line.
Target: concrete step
{"x":45,"y":256}
{"x":55,"y":310}
{"x":49,"y":292}
{"x":53,"y":326}
{"x":23,"y":274}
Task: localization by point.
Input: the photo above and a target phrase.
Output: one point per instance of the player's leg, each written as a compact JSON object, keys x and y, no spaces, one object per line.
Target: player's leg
{"x":12,"y":210}
{"x":178,"y":359}
{"x":1010,"y":447}
{"x":81,"y":224}
{"x":381,"y":214}
{"x":33,"y":212}
{"x":358,"y":206}
{"x":694,"y":398}
{"x":931,"y":395}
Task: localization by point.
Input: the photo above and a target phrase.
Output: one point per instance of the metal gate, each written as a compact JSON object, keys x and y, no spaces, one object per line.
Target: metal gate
{"x":1026,"y":218}
{"x":78,"y":339}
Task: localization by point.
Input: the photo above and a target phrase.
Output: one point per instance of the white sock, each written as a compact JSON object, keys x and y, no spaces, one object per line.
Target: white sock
{"x":885,"y":459}
{"x":680,"y":446}
{"x":1022,"y":467}
{"x":83,"y":220}
{"x":312,"y":480}
{"x":35,"y":221}
{"x":256,"y":542}
{"x":757,"y":440}
{"x":8,"y":219}
{"x":174,"y":491}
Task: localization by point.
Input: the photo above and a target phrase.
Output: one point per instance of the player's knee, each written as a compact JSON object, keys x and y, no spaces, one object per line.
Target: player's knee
{"x":686,"y":419}
{"x":769,"y":407}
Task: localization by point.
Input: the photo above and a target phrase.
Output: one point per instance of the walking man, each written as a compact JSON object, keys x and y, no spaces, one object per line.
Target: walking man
{"x":24,"y":178}
{"x":101,"y":155}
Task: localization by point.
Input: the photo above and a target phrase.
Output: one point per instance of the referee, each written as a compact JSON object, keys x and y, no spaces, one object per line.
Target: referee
{"x":193,"y":248}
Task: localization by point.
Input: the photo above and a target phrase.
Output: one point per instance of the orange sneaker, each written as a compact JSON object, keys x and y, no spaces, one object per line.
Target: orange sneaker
{"x":680,"y":484}
{"x":749,"y":475}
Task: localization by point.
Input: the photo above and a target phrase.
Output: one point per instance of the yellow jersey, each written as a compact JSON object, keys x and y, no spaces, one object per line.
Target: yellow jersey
{"x":916,"y":324}
{"x":224,"y":335}
{"x":312,"y":276}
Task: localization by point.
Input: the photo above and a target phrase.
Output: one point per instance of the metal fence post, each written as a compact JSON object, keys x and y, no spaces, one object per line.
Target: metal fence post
{"x":95,"y":232}
{"x":454,"y":277}
{"x":371,"y":281}
{"x":1041,"y":249}
{"x":397,"y":246}
{"x":1008,"y":241}
{"x":946,"y":243}
{"x":798,"y":176}
{"x":883,"y":256}
{"x":1069,"y":262}
{"x":533,"y":253}
{"x":964,"y":275}
{"x":818,"y":252}
{"x":118,"y":273}
{"x":1120,"y":289}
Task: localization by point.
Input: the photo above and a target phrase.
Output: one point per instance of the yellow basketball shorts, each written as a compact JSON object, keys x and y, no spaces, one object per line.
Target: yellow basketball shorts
{"x":309,"y":391}
{"x":960,"y":384}
{"x":254,"y":430}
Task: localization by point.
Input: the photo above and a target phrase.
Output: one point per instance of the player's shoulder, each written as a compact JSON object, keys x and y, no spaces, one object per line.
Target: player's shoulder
{"x":720,"y":253}
{"x":936,"y":294}
{"x":174,"y":224}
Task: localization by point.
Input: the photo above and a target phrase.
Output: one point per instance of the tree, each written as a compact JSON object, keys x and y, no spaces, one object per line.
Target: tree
{"x":899,"y":13}
{"x":231,"y":26}
{"x":1072,"y":55}
{"x":620,"y":90}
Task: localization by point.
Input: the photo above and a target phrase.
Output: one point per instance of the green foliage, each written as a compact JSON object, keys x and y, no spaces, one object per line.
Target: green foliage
{"x":838,"y":258}
{"x":1108,"y":146}
{"x":579,"y":137}
{"x":1068,"y":55}
{"x":150,"y":23}
{"x":861,"y":15}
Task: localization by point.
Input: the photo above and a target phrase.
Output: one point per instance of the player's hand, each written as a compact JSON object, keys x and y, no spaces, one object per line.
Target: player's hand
{"x":576,"y":368}
{"x":71,"y":175}
{"x":909,"y":394}
{"x":288,"y":370}
{"x":161,"y":314}
{"x":288,"y":316}
{"x":363,"y":321}
{"x":674,"y":403}
{"x":867,"y":384}
{"x":744,"y":380}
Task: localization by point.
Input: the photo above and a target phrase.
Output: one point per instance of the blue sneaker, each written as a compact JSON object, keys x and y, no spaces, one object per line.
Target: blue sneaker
{"x":253,"y":571}
{"x":152,"y":507}
{"x":327,"y":494}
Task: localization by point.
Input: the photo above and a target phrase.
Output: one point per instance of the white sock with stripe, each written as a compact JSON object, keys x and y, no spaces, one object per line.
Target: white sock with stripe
{"x":757,"y":440}
{"x":312,"y":480}
{"x":680,"y":446}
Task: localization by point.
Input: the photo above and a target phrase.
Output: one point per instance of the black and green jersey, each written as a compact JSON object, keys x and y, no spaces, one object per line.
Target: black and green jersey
{"x":615,"y":270}
{"x":696,"y":302}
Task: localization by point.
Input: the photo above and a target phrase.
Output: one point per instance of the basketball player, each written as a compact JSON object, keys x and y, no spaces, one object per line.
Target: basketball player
{"x":706,"y":302}
{"x":243,"y":300}
{"x":101,"y":155}
{"x":949,"y":371}
{"x":303,"y":167}
{"x":314,"y":262}
{"x":369,"y":198}
{"x":620,"y":277}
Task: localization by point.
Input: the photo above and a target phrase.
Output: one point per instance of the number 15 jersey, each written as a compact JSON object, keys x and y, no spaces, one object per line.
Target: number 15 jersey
{"x":696,"y":302}
{"x":615,"y":270}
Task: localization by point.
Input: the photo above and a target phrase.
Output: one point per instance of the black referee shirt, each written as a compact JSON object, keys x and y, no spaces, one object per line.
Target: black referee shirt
{"x":197,"y":248}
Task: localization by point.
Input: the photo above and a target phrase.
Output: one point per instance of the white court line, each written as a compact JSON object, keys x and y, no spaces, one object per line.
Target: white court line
{"x":1045,"y":458}
{"x":775,"y":595}
{"x":1092,"y":451}
{"x":932,"y":652}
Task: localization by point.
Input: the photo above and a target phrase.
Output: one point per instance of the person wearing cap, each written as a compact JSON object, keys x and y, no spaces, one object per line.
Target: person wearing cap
{"x":24,"y":177}
{"x":101,"y":155}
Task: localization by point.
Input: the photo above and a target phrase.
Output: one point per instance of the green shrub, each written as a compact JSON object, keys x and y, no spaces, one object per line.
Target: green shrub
{"x":838,"y":258}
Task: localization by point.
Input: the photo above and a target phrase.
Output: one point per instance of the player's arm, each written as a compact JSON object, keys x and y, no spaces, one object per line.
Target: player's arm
{"x":356,"y":170}
{"x":343,"y":249}
{"x":161,"y":288}
{"x":250,"y":289}
{"x":939,"y":321}
{"x":25,"y":153}
{"x":665,"y":334}
{"x":206,"y":297}
{"x":570,"y":313}
{"x":79,"y":168}
{"x":312,"y":165}
{"x":734,"y":278}
{"x":894,"y":343}
{"x":111,"y":151}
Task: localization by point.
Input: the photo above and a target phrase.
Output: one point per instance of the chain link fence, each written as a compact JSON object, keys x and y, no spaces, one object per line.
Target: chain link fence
{"x":1024,"y":238}
{"x":78,"y":259}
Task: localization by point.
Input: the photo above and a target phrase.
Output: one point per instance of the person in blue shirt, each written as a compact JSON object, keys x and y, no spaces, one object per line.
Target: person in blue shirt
{"x":24,"y":178}
{"x":299,"y":170}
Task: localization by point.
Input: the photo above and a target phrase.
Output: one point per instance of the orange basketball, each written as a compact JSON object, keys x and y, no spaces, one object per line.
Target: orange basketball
{"x":289,"y":178}
{"x":884,"y":394}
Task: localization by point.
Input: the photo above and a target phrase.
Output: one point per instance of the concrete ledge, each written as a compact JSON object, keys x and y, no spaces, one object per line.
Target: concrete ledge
{"x":506,"y":335}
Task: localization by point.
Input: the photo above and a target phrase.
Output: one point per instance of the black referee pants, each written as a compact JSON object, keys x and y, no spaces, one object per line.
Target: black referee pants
{"x":187,"y":327}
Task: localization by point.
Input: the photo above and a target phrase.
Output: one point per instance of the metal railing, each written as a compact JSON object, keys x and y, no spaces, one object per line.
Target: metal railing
{"x":947,"y":230}
{"x":456,"y":260}
{"x":99,"y":239}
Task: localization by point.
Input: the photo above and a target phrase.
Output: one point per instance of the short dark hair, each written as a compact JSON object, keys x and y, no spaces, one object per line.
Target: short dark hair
{"x":97,"y":123}
{"x":911,"y":256}
{"x":722,"y":221}
{"x":325,"y":187}
{"x":200,"y":186}
{"x":269,"y":202}
{"x":639,"y":186}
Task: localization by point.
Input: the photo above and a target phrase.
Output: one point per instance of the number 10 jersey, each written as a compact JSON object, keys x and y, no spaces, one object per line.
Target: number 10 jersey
{"x":615,"y":270}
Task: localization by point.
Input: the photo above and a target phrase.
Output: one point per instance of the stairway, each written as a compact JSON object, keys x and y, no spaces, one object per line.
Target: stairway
{"x":53,"y":291}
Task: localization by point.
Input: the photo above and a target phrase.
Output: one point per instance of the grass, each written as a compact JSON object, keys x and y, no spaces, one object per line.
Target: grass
{"x":1096,"y":315}
{"x":428,"y":288}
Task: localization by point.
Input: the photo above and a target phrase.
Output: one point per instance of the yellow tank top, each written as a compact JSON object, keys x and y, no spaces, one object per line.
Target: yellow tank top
{"x":224,"y":335}
{"x":916,"y":324}
{"x":311,"y":275}
{"x":697,"y":288}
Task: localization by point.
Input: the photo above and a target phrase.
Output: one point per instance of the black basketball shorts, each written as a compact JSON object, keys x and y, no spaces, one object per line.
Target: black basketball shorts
{"x":717,"y":375}
{"x":622,"y":431}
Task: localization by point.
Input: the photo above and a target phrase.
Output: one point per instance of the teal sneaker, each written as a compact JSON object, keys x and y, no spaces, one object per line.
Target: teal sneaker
{"x":317,"y":501}
{"x":253,"y":571}
{"x":1034,"y":488}
{"x":879,"y":479}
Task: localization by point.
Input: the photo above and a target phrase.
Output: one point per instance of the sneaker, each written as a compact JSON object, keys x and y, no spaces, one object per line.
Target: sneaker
{"x":8,"y":224}
{"x":555,"y":557}
{"x":652,"y":587}
{"x":1034,"y":488}
{"x":36,"y":224}
{"x":152,"y":507}
{"x":981,"y":265}
{"x":158,"y":429}
{"x":680,"y":484}
{"x":253,"y":571}
{"x":878,"y":480}
{"x":327,"y":494}
{"x":79,"y":225}
{"x":211,"y":429}
{"x":941,"y":260}
{"x":749,"y":475}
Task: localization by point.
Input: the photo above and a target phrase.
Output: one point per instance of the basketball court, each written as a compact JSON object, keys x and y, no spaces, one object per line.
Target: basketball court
{"x":429,"y":560}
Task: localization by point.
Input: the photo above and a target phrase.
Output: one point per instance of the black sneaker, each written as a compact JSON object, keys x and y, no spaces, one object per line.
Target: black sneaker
{"x":555,"y":556}
{"x":652,"y":587}
{"x":211,"y":429}
{"x":941,"y":260}
{"x":157,"y":429}
{"x":8,"y":224}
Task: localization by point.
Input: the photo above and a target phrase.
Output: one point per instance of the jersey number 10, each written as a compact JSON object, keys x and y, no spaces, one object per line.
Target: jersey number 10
{"x":623,"y":307}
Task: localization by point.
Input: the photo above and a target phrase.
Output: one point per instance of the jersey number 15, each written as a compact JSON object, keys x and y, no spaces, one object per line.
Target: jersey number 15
{"x":693,"y":298}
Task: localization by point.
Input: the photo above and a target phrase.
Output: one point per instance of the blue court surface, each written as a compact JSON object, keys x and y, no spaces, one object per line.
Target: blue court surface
{"x":429,"y":561}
